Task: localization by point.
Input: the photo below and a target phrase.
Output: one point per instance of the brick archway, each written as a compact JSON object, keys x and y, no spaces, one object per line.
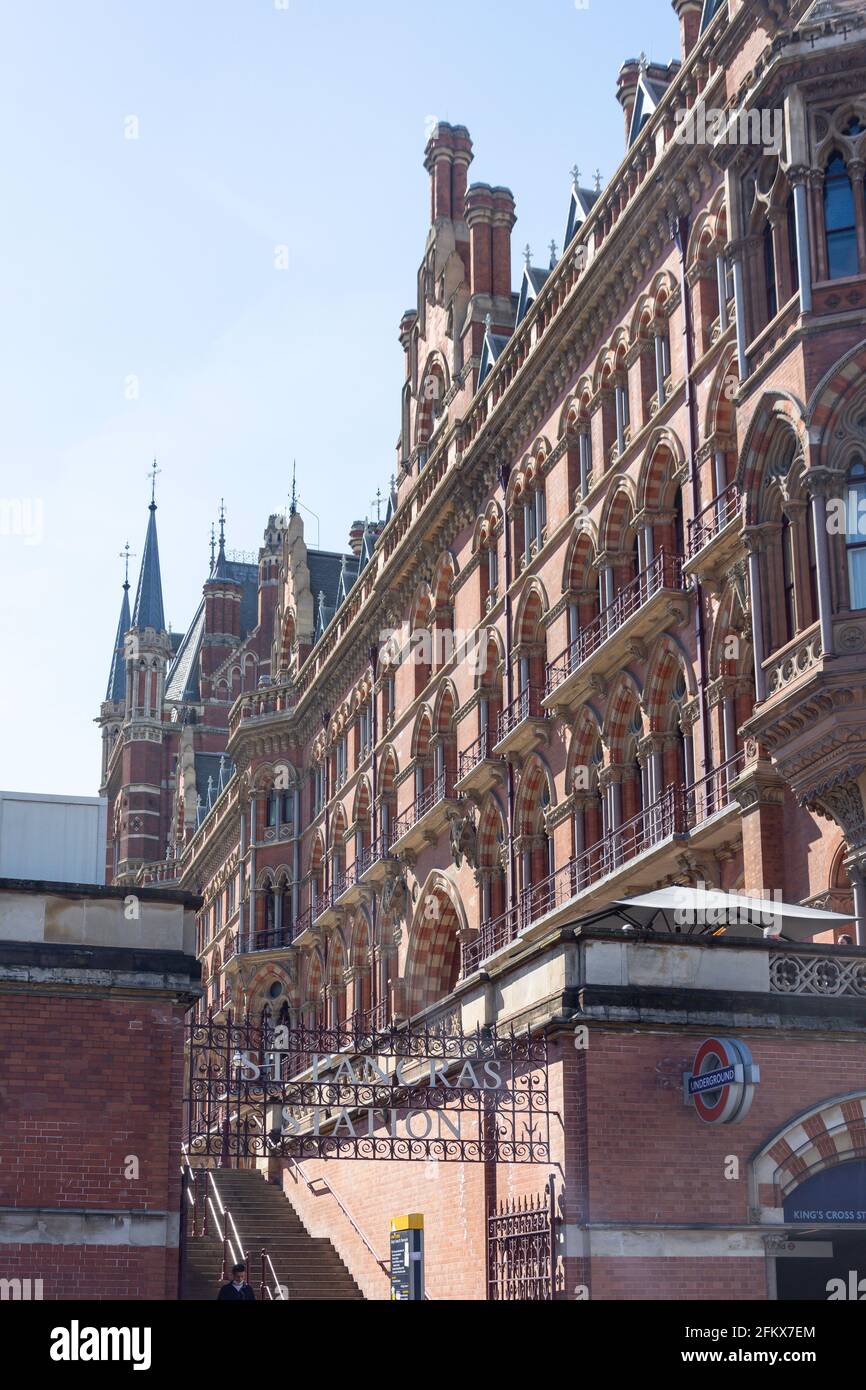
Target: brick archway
{"x":433,"y":960}
{"x":831,"y":1133}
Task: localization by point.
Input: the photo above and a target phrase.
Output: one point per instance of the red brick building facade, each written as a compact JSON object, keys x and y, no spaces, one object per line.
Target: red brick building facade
{"x":609,"y":637}
{"x":94,"y":989}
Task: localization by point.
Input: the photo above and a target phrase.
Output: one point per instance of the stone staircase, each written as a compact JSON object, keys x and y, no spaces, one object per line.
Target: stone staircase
{"x":308,"y":1266}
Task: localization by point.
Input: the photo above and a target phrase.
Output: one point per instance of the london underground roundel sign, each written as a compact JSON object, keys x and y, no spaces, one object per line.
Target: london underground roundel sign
{"x":721,"y":1084}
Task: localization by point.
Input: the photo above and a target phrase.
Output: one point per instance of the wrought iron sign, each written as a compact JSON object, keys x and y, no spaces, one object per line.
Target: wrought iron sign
{"x":403,"y":1092}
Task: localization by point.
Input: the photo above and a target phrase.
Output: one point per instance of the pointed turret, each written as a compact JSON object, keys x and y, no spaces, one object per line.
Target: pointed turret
{"x":148,"y":610}
{"x":116,"y":691}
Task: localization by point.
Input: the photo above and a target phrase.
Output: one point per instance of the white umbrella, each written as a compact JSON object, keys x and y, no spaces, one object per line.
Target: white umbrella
{"x":686,"y":911}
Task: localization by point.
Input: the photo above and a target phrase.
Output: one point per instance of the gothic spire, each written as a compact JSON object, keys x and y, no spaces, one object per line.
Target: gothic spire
{"x":148,"y":610}
{"x":117,"y":675}
{"x":219,"y":570}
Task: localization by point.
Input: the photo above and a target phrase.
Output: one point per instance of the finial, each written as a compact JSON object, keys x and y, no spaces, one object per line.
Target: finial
{"x":377,"y":503}
{"x":294,"y":507}
{"x":222,"y":526}
{"x":212,"y":545}
{"x":553,"y":255}
{"x":597,"y":177}
{"x":153,"y":474}
{"x":488,"y":322}
{"x":575,"y":176}
{"x":126,"y":555}
{"x":642,"y":62}
{"x":527,"y":254}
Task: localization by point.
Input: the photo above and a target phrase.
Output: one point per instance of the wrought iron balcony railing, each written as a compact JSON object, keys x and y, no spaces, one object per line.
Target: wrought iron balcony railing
{"x":664,"y":572}
{"x":476,"y":753}
{"x":677,"y":812}
{"x":526,"y":705}
{"x":439,"y":788}
{"x":713,"y":518}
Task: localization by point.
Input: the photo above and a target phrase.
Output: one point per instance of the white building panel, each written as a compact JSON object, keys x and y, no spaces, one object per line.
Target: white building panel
{"x":60,"y":839}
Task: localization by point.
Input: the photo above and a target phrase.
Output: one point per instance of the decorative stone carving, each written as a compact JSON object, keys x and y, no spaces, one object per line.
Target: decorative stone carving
{"x":464,"y":839}
{"x":395,"y":895}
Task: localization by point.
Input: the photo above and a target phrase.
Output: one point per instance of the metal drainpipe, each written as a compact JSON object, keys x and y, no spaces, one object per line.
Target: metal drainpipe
{"x":681,"y":236}
{"x":504,"y":473}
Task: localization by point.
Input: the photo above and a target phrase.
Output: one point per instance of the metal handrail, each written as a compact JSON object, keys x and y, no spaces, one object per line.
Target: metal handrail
{"x":665,"y":571}
{"x":677,"y":811}
{"x":713,"y":518}
{"x":233,"y":1247}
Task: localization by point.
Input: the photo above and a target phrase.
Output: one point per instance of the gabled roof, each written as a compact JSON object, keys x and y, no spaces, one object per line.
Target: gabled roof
{"x":148,"y":610}
{"x":579,"y":208}
{"x":117,"y":675}
{"x":530,"y":288}
{"x":493,"y":346}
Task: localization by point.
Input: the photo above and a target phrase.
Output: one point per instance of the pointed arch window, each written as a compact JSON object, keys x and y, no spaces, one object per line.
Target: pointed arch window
{"x":855,"y":534}
{"x":839,"y":221}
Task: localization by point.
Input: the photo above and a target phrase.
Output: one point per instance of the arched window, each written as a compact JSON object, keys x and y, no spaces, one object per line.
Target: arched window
{"x":770,"y":272}
{"x":855,"y":535}
{"x":839,"y":223}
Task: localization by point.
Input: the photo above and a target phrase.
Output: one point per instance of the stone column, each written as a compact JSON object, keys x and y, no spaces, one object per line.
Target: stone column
{"x":722,"y":291}
{"x":856,"y":169}
{"x":797,"y":178}
{"x":754,"y":546}
{"x":817,"y":486}
{"x":737,"y":252}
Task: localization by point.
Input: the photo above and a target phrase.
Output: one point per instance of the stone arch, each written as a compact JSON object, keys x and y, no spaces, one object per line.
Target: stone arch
{"x":491,"y":833}
{"x":618,"y":515}
{"x":623,"y":706}
{"x":663,"y":458}
{"x":669,"y":659}
{"x":531,"y":802}
{"x":433,"y":957}
{"x":831,"y":400}
{"x":824,"y":1136}
{"x":778,"y":417}
{"x":532,"y":607}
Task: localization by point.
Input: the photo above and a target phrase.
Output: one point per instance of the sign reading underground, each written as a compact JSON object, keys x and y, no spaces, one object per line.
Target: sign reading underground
{"x":721,"y":1084}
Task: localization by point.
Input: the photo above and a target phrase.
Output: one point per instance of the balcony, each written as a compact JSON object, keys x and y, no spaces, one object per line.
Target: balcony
{"x":523,"y":724}
{"x":349,"y":887}
{"x":426,"y":817}
{"x":644,"y":608}
{"x":694,"y":814}
{"x":377,"y":861}
{"x":479,"y":769}
{"x":275,"y":939}
{"x":714,"y":534}
{"x":302,"y":931}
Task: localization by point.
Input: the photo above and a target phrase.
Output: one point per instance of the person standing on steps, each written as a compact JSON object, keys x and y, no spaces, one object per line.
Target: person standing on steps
{"x":238,"y":1289}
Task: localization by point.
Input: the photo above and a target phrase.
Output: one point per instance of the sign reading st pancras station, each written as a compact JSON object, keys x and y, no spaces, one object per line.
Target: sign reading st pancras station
{"x":402,"y":1093}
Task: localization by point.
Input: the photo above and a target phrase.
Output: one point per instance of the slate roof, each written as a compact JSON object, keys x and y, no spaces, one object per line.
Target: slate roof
{"x":182,"y":683}
{"x":148,"y":610}
{"x":117,"y":675}
{"x":579,"y":209}
{"x":530,"y":288}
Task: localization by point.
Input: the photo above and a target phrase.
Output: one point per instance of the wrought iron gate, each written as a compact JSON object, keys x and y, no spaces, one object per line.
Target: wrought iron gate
{"x":521,"y":1251}
{"x":401,"y":1092}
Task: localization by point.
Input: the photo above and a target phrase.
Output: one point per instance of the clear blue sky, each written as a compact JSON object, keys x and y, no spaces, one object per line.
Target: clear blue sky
{"x":147,"y":265}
